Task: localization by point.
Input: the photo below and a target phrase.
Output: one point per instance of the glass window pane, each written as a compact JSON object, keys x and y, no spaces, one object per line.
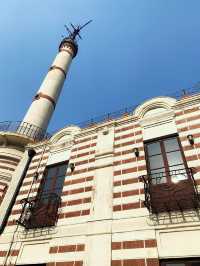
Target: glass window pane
{"x":178,"y":173}
{"x":158,"y":176}
{"x":59,"y":182}
{"x":51,"y":171}
{"x":154,"y":148}
{"x":47,"y":183}
{"x":171,"y":145}
{"x":156,"y":162}
{"x":62,"y":170}
{"x":174,"y":158}
{"x":58,"y":191}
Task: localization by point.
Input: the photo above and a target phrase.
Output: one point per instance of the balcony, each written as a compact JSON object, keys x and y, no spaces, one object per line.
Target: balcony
{"x":40,"y":212}
{"x":179,"y":195}
{"x":24,"y":129}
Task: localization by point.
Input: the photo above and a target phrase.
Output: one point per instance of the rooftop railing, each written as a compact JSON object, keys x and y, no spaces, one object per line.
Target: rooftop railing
{"x":25,"y":129}
{"x":129,"y":110}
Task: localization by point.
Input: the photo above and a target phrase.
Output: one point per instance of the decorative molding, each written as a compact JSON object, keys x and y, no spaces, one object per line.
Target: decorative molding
{"x":69,"y":46}
{"x":158,"y":102}
{"x":45,"y":96}
{"x":163,"y":118}
{"x":59,"y":68}
{"x":5,"y":177}
{"x":63,"y":139}
{"x":187,"y":101}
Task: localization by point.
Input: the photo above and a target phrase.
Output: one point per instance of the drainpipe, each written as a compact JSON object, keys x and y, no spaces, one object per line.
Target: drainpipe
{"x":14,"y":187}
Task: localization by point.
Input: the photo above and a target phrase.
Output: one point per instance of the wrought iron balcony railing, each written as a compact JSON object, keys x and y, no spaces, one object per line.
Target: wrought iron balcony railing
{"x":178,"y":194}
{"x":23,"y":128}
{"x":40,"y":211}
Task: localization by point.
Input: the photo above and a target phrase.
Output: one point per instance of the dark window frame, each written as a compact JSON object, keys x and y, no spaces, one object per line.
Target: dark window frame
{"x":186,"y":261}
{"x":164,"y":155}
{"x":54,"y":179}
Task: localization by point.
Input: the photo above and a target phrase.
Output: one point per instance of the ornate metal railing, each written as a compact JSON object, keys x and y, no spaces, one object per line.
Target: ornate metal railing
{"x":25,"y":129}
{"x":178,"y":194}
{"x":40,"y":211}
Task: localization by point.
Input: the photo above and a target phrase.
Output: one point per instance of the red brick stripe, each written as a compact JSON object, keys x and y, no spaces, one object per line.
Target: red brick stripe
{"x":187,"y":119}
{"x":13,"y":253}
{"x":84,"y":147}
{"x":74,"y":214}
{"x":6,"y":168}
{"x":82,"y":154}
{"x":183,"y":129}
{"x":149,"y":243}
{"x":85,"y":140}
{"x":127,"y":128}
{"x":127,"y":206}
{"x":152,"y":262}
{"x":191,"y":158}
{"x":79,"y":180}
{"x":67,"y":248}
{"x":76,"y":191}
{"x":8,"y":162}
{"x":4,"y":157}
{"x":130,"y":262}
{"x":187,"y":111}
{"x":130,"y":160}
{"x":66,"y":263}
{"x":127,"y":151}
{"x":81,"y":171}
{"x":45,"y":157}
{"x":130,"y":170}
{"x":76,"y":202}
{"x":36,"y":166}
{"x":135,"y":262}
{"x":129,"y":135}
{"x":125,"y":182}
{"x":128,"y":143}
{"x":128,"y":193}
{"x":84,"y":162}
{"x":10,"y":223}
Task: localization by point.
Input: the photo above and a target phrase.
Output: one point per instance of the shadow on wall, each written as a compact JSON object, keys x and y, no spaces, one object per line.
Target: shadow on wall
{"x":167,"y":218}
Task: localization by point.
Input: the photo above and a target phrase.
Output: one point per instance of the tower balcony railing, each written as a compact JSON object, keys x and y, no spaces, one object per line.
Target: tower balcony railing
{"x":40,"y":211}
{"x":178,"y":194}
{"x":25,"y":129}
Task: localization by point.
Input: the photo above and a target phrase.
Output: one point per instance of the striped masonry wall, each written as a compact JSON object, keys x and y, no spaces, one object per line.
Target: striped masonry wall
{"x":8,"y":164}
{"x":134,"y":248}
{"x":128,"y":248}
{"x":128,"y":192}
{"x":3,"y":189}
{"x":78,"y":186}
{"x":188,"y":122}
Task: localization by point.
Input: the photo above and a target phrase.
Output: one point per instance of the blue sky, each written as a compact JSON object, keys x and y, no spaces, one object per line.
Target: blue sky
{"x":133,"y":50}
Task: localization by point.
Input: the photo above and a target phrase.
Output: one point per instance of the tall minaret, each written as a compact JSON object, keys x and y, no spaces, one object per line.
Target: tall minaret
{"x":44,"y":102}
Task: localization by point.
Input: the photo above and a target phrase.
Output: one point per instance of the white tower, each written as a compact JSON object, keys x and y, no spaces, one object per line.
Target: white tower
{"x":44,"y":102}
{"x":40,"y":112}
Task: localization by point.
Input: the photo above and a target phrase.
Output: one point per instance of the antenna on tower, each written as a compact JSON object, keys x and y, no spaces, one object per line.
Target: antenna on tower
{"x":75,"y":31}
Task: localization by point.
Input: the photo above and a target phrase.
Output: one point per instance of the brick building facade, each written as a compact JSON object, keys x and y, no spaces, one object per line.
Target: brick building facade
{"x":110,"y":205}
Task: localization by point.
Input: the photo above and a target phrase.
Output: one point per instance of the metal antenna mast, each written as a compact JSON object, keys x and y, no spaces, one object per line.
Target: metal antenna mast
{"x":75,"y":31}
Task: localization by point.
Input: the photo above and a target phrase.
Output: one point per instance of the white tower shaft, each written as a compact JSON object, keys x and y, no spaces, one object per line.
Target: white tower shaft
{"x":43,"y":105}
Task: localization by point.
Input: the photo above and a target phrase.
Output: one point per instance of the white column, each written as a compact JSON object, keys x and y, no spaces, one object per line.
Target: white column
{"x":43,"y":105}
{"x":103,"y":182}
{"x":99,"y":250}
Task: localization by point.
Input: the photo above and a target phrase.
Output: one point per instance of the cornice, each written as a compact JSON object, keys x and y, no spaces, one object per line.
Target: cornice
{"x":158,"y":119}
{"x":187,"y":101}
{"x":5,"y":177}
